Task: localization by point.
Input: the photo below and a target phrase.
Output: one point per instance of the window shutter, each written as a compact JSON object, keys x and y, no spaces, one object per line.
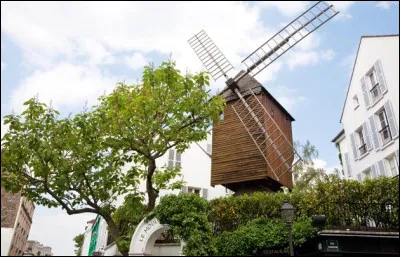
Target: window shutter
{"x":366,"y":135}
{"x":381,"y":168}
{"x":171,"y":154}
{"x":184,"y":189}
{"x":391,"y":119}
{"x":397,"y":158}
{"x":178,"y":159}
{"x":205,"y":193}
{"x":359,"y":177}
{"x":365,"y":92}
{"x":353,"y":146}
{"x":346,"y":159}
{"x":374,"y":171}
{"x":380,"y":75}
{"x":374,"y":132}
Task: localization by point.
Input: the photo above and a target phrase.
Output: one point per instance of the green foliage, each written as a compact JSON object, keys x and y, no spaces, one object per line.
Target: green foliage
{"x":340,"y":157}
{"x":304,"y":172}
{"x":186,"y":214}
{"x":260,"y":234}
{"x":78,"y":244}
{"x":127,"y":217}
{"x":61,"y":162}
{"x":166,"y":109}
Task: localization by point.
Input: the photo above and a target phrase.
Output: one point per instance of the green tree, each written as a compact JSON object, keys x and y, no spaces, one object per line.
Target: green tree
{"x":304,"y":172}
{"x":78,"y":244}
{"x":165,"y":110}
{"x":64,"y":162}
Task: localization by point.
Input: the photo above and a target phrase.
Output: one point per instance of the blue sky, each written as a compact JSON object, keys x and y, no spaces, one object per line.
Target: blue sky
{"x":71,"y":53}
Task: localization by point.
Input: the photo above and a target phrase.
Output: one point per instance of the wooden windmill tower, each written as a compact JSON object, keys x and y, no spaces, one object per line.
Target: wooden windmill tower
{"x":253,"y":146}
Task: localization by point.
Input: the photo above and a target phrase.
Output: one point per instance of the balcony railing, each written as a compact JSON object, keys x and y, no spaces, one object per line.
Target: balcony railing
{"x":385,"y":134}
{"x":363,"y":149}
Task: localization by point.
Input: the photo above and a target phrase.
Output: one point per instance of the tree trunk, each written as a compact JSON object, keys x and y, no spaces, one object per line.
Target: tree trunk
{"x":151,"y":193}
{"x":115,"y":234}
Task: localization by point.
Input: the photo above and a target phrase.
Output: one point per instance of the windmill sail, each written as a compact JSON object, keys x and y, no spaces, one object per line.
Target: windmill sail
{"x":210,"y":55}
{"x":274,"y":146}
{"x":289,"y":36}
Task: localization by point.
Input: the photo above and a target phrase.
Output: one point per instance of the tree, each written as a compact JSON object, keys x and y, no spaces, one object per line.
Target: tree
{"x":304,"y":172}
{"x":64,"y":162}
{"x":165,"y":110}
{"x":78,"y":244}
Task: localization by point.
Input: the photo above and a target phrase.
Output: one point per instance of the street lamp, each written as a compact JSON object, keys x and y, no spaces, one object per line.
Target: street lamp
{"x":287,"y":214}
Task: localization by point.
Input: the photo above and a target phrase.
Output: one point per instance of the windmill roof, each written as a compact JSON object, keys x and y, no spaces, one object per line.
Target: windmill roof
{"x":245,"y":84}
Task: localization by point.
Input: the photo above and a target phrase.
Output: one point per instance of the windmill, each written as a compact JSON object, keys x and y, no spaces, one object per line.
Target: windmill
{"x":252,"y":146}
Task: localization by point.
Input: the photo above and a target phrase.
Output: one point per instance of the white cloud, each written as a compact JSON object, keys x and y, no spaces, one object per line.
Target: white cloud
{"x":287,"y":97}
{"x":321,"y":164}
{"x":136,"y":61}
{"x":303,"y":58}
{"x":287,"y":8}
{"x":55,"y":228}
{"x":64,"y":85}
{"x":386,"y":4}
{"x":343,"y":8}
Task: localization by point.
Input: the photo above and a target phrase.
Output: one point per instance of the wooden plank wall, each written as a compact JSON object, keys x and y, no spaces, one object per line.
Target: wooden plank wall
{"x":235,"y":156}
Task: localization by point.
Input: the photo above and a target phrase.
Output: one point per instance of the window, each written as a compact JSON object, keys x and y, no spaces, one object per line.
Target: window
{"x":174,"y":158}
{"x":367,"y":173}
{"x":355,"y":102}
{"x":193,"y":190}
{"x":392,"y":165}
{"x":384,"y":130}
{"x":362,"y":147}
{"x":375,"y":87}
{"x":209,"y":149}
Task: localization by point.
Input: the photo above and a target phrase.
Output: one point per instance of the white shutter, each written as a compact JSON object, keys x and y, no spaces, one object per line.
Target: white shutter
{"x":353,"y":146}
{"x":348,"y":168}
{"x":171,"y":155}
{"x":380,"y":76}
{"x":366,"y":135}
{"x":397,"y":158}
{"x":381,"y":168}
{"x":359,"y":177}
{"x":184,"y":189}
{"x":178,"y":159}
{"x":205,"y":193}
{"x":374,"y":132}
{"x":365,"y":91}
{"x":374,"y":171}
{"x":391,"y":119}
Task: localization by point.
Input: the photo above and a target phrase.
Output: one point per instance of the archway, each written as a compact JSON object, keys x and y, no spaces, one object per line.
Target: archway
{"x":145,"y":236}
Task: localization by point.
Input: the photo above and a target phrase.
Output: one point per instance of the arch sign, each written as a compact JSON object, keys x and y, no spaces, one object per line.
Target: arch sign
{"x":145,"y":236}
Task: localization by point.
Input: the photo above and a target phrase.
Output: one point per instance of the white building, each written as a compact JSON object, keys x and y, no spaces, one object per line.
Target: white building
{"x":196,"y":171}
{"x":369,"y":142}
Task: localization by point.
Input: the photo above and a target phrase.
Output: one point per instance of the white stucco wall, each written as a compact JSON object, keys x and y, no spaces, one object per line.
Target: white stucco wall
{"x":371,"y":49}
{"x":6,"y":237}
{"x":86,"y":242}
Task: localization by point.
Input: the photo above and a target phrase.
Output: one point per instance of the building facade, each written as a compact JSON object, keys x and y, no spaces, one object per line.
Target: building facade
{"x":369,"y":141}
{"x":195,"y":165}
{"x":34,"y":248}
{"x":16,"y":221}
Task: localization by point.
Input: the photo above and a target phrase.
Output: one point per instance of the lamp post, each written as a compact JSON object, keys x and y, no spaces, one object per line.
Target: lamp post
{"x":287,"y":214}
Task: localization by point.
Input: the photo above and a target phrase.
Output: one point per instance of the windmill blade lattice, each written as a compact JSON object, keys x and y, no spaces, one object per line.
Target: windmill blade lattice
{"x":210,"y":55}
{"x":289,"y":36}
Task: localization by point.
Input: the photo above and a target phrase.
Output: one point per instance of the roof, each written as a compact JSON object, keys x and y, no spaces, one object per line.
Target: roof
{"x":338,"y":136}
{"x":354,"y":65}
{"x":246,"y":83}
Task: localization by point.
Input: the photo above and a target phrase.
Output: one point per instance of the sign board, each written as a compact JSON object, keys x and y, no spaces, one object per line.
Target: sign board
{"x":332,"y":246}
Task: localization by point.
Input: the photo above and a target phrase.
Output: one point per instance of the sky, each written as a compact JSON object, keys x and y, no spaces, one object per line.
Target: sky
{"x":72,"y":52}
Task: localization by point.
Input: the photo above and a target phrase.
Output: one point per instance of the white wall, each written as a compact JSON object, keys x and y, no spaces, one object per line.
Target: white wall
{"x":166,"y":250}
{"x":86,"y":242}
{"x":6,"y":237}
{"x":371,"y":49}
